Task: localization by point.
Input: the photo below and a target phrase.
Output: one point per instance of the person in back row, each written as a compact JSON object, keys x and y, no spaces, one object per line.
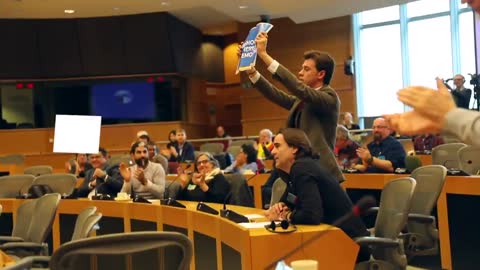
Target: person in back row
{"x":384,"y":154}
{"x":314,"y":195}
{"x":78,"y":166}
{"x":245,"y":161}
{"x":102,"y":178}
{"x":145,"y":178}
{"x":182,"y":151}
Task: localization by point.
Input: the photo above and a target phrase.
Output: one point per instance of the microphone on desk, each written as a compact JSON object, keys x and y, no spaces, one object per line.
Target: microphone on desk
{"x":202,"y":207}
{"x":230,"y":214}
{"x":358,"y":209}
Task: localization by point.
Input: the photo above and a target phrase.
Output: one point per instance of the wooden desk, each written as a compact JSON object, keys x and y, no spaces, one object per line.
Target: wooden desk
{"x":251,"y":248}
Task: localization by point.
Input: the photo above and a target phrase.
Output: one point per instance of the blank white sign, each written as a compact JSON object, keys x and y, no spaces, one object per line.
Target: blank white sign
{"x":77,"y":134}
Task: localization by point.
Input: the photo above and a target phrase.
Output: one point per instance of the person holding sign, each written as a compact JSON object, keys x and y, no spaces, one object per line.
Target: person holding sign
{"x":314,"y":106}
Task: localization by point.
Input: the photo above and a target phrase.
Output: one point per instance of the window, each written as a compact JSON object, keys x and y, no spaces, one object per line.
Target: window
{"x":409,"y":44}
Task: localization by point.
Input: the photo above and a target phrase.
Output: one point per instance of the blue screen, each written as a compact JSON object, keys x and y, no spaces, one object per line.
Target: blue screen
{"x":134,"y":100}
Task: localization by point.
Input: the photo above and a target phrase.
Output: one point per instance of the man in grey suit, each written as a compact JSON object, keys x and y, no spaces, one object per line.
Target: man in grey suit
{"x":313,"y":104}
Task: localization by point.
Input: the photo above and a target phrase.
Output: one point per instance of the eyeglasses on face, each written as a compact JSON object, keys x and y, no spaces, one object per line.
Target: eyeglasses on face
{"x":205,"y":161}
{"x":379,"y":127}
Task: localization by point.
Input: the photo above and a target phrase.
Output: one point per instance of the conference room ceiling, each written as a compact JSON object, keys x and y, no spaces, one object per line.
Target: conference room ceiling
{"x":211,"y":16}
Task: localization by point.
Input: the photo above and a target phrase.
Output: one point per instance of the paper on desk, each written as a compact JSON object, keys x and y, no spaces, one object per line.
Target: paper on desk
{"x":254,"y":225}
{"x":254,"y":216}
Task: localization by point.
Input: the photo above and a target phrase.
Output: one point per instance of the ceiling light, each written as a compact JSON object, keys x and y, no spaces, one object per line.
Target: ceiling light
{"x":242,"y":4}
{"x":69,"y":11}
{"x":116,"y":8}
{"x":165,"y":2}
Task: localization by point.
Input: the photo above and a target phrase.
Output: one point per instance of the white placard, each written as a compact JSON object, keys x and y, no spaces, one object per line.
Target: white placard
{"x":77,"y":134}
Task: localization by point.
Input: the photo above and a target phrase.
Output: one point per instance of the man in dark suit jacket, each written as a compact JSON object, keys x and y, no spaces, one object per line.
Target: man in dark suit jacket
{"x":314,"y":106}
{"x":182,"y":151}
{"x":106,"y":179}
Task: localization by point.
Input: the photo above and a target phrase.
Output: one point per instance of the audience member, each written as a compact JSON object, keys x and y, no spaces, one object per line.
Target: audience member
{"x":425,"y":143}
{"x":147,"y":179}
{"x":313,"y":104}
{"x":384,"y":154}
{"x":345,"y":148}
{"x":347,"y":121}
{"x":315,"y":196}
{"x":222,"y":134}
{"x":265,"y":144}
{"x":245,"y":161}
{"x":154,"y":156}
{"x":101,"y":178}
{"x":207,"y":184}
{"x":172,"y":139}
{"x":182,"y":151}
{"x":143,"y":136}
{"x":78,"y":166}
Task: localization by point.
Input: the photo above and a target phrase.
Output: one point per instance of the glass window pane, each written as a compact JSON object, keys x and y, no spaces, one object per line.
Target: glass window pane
{"x":380,"y":15}
{"x":430,"y":57}
{"x":381,"y":70}
{"x":467,"y":49}
{"x":426,"y":7}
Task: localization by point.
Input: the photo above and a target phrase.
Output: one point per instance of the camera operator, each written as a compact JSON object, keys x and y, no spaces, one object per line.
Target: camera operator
{"x":460,"y":94}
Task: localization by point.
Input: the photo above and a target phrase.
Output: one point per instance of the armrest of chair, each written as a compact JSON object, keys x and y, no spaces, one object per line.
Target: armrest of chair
{"x":8,"y":239}
{"x":377,"y":241}
{"x":35,"y":248}
{"x":420,"y":218}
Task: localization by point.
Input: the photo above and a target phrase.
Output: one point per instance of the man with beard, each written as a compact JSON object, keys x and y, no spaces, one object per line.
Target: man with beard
{"x":146,"y":178}
{"x":384,"y":154}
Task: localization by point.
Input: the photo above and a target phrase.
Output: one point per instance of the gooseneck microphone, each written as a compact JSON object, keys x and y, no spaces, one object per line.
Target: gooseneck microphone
{"x":358,"y":209}
{"x":230,"y":214}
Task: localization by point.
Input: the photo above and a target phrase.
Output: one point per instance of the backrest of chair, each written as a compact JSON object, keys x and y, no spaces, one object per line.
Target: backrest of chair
{"x":407,"y":145}
{"x":233,"y":150}
{"x":469,"y":158}
{"x":12,"y":159}
{"x":242,"y":142}
{"x":13,"y":185}
{"x":81,"y":219}
{"x":38,"y":170}
{"x":241,"y":194}
{"x":117,"y":159}
{"x":42,"y":218}
{"x":213,"y":147}
{"x":172,"y":189}
{"x":162,"y":161}
{"x":88,"y":226}
{"x":22,"y":221}
{"x":412,"y":163}
{"x":278,"y":189}
{"x":447,"y":155}
{"x":63,"y":183}
{"x":430,"y":181}
{"x":395,"y":204}
{"x":64,"y":257}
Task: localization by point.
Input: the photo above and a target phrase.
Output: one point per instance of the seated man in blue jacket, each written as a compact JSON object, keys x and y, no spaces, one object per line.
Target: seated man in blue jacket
{"x":102,"y":178}
{"x":384,"y":154}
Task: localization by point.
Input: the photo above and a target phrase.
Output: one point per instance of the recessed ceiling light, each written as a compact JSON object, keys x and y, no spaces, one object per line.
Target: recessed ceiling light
{"x":116,"y":8}
{"x":69,"y":11}
{"x":242,"y":6}
{"x":165,"y":3}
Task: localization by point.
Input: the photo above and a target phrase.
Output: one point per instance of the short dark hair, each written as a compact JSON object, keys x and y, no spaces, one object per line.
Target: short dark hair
{"x":323,"y":61}
{"x":103,"y":151}
{"x":250,"y":151}
{"x":135,"y":145}
{"x":173,"y":131}
{"x":211,"y":159}
{"x":297,"y":138}
{"x":146,"y":137}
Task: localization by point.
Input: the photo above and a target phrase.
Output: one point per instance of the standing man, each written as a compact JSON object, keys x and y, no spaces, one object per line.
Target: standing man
{"x":461,"y":94}
{"x":314,"y":106}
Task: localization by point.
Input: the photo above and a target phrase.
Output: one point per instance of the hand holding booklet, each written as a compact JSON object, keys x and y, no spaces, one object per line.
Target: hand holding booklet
{"x":249,"y":47}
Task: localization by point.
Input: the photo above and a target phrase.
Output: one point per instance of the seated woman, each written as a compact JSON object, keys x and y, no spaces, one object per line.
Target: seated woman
{"x":245,"y":161}
{"x":78,"y":166}
{"x":207,"y":184}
